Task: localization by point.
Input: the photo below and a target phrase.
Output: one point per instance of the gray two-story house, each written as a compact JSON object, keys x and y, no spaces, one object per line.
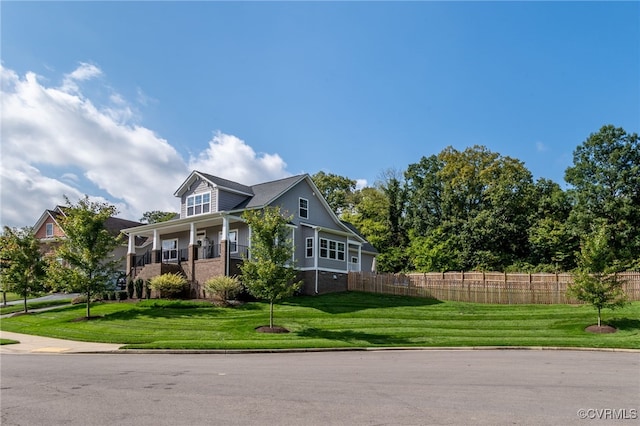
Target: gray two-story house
{"x":210,"y":238}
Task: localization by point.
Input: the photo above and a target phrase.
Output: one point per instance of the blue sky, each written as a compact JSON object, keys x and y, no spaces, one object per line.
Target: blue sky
{"x":120,"y":100}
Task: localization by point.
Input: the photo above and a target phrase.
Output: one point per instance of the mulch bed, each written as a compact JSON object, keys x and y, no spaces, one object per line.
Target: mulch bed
{"x":274,"y":329}
{"x":601,"y":329}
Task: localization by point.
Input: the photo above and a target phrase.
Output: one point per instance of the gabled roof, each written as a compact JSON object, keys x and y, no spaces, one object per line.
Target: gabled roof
{"x":53,"y":214}
{"x":267,"y":192}
{"x":214,"y":181}
{"x":113,"y":224}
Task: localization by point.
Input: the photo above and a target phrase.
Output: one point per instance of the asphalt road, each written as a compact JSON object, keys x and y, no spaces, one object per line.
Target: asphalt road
{"x":431,"y":387}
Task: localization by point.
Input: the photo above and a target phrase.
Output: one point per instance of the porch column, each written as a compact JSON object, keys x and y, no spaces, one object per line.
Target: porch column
{"x":224,"y":244}
{"x":131,"y":255}
{"x":359,"y":257}
{"x":191,"y":252}
{"x":316,"y":253}
{"x":155,"y":247}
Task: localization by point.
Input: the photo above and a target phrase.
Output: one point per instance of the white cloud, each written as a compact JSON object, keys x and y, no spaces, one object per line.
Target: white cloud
{"x":361,"y":183}
{"x":540,"y":147}
{"x":82,"y":73}
{"x":231,"y":158}
{"x":56,"y":142}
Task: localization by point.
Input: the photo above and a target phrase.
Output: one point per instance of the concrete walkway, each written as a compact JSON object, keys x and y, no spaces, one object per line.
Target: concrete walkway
{"x":36,"y":344}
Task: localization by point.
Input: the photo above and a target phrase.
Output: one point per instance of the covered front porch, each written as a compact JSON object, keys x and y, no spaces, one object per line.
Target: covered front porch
{"x":198,"y":248}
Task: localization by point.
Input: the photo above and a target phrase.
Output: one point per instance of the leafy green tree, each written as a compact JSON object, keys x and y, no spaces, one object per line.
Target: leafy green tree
{"x":552,"y":243}
{"x":432,"y":253}
{"x":477,"y":200}
{"x":87,"y":263}
{"x":605,"y":180}
{"x":595,"y":281}
{"x":337,"y":190}
{"x":23,"y":266}
{"x":268,"y":273}
{"x":156,"y":216}
{"x":424,"y":189}
{"x":369,"y":216}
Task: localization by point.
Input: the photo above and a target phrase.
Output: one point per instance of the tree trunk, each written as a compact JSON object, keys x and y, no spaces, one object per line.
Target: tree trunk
{"x":4,"y":298}
{"x":88,"y":302}
{"x":25,"y":302}
{"x":598,"y":317}
{"x":271,"y":314}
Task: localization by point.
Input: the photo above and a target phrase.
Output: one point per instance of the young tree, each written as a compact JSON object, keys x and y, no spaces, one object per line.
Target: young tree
{"x":595,"y":281}
{"x":268,"y":273}
{"x":86,"y":248}
{"x":23,"y":267}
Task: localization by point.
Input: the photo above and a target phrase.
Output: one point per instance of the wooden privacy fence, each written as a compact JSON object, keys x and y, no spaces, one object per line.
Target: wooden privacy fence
{"x":481,"y":287}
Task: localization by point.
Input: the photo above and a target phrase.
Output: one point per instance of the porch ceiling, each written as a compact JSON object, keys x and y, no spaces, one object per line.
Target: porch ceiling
{"x":180,"y":225}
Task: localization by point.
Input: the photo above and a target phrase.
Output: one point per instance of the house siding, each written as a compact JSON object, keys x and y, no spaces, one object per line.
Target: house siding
{"x":320,"y":275}
{"x":228,"y":200}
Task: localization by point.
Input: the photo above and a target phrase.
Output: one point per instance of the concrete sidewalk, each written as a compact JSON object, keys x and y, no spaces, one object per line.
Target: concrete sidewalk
{"x":36,"y":344}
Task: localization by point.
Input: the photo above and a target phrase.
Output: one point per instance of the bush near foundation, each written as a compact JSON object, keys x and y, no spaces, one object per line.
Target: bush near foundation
{"x":169,"y":286}
{"x":223,"y":288}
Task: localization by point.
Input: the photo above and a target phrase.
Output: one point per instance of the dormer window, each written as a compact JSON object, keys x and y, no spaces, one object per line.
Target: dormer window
{"x":198,"y":204}
{"x":49,"y":231}
{"x":303,"y":210}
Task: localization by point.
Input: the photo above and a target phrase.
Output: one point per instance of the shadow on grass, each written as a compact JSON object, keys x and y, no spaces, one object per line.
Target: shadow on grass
{"x":347,"y":302}
{"x":354,"y":337}
{"x":169,"y":309}
{"x":625,"y":324}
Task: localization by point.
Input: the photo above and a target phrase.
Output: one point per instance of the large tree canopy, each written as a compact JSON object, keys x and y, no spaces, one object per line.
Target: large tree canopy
{"x":337,"y":190}
{"x":605,"y":180}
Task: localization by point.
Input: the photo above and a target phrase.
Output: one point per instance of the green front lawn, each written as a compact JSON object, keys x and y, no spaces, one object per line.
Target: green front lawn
{"x":335,"y":320}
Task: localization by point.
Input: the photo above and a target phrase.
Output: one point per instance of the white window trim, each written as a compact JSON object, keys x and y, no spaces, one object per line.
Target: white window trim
{"x":337,"y":251}
{"x":308,"y":247}
{"x":47,"y":227}
{"x":175,"y":240}
{"x":200,"y":194}
{"x":232,"y":231}
{"x":300,"y":208}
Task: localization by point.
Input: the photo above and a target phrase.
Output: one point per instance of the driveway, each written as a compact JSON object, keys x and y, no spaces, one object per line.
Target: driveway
{"x":54,"y":296}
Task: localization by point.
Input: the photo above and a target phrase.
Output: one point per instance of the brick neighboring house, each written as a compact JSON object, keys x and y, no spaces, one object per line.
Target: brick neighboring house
{"x":210,"y":238}
{"x":48,"y":230}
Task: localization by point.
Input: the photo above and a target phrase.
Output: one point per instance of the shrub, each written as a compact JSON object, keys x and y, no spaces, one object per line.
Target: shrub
{"x":147,"y":289}
{"x":139,"y":285}
{"x":223,"y":288}
{"x":168,"y":285}
{"x":122,"y":295}
{"x":112,"y":295}
{"x":79,"y":299}
{"x":130,"y":289}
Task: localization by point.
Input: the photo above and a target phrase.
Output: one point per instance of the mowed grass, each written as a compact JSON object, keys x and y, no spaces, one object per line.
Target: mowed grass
{"x":341,"y":320}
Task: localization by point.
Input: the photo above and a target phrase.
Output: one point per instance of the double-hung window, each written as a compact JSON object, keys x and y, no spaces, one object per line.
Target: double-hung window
{"x":303,"y":210}
{"x":49,"y":230}
{"x":198,"y":204}
{"x":309,"y":246}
